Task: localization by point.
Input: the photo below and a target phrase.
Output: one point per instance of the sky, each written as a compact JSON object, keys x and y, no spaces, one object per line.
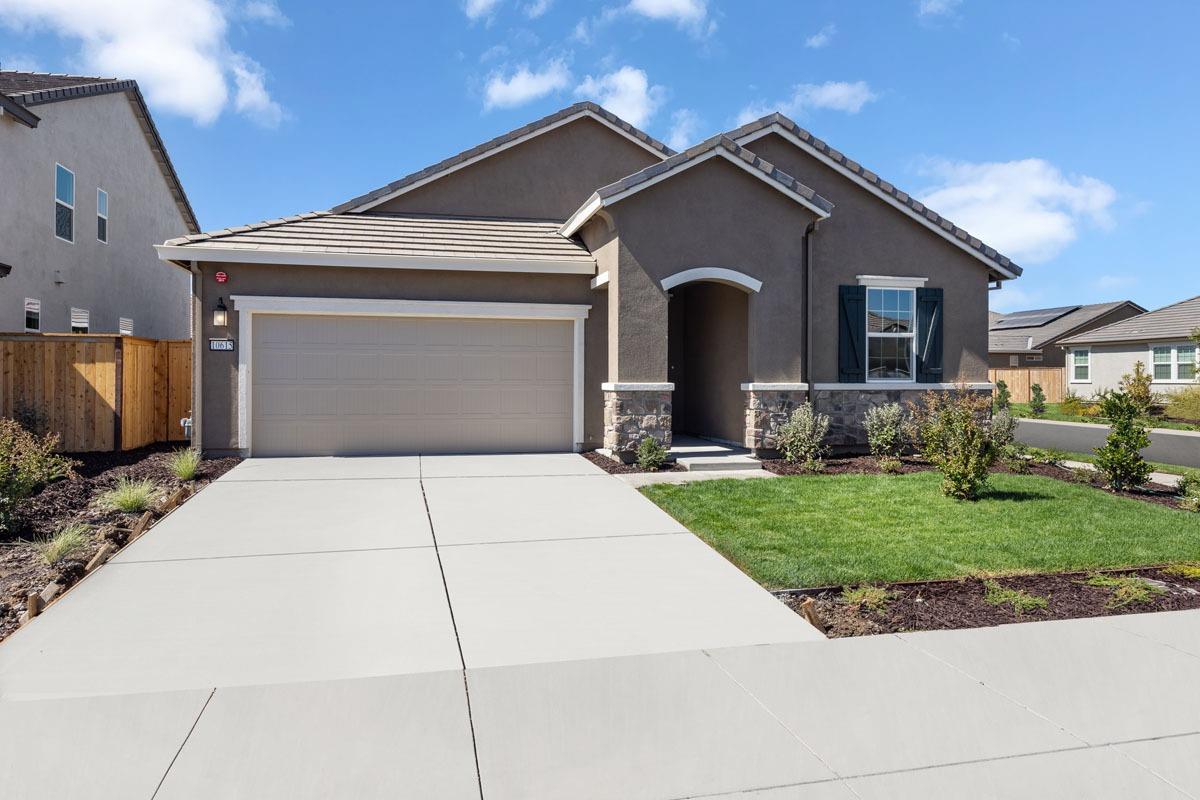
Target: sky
{"x":1064,"y":133}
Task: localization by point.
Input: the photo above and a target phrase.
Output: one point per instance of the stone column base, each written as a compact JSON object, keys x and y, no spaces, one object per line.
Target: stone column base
{"x":768,"y":406}
{"x":630,"y":415}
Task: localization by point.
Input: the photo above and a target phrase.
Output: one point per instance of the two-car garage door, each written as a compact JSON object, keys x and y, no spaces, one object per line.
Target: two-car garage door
{"x":345,"y":385}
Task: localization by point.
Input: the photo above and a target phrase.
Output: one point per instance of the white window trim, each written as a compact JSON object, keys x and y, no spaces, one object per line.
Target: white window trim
{"x":249,"y":306}
{"x":38,"y":310}
{"x":1075,"y":350}
{"x":1174,"y":380}
{"x":890,"y":385}
{"x":912,"y":358}
{"x":891,"y":282}
{"x":609,"y":386}
{"x":57,"y":202}
{"x":107,"y":232}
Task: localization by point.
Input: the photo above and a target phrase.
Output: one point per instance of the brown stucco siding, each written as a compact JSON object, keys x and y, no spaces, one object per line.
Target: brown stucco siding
{"x":546,"y":177}
{"x":220,"y":385}
{"x":867,"y":236}
{"x":712,"y":215}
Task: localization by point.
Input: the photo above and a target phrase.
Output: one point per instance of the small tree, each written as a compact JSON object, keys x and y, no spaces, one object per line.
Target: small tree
{"x":957,"y":436}
{"x":1120,"y":459}
{"x":1137,"y":388}
{"x":1003,"y":398}
{"x":885,"y":426}
{"x":802,"y":438}
{"x":27,"y":463}
{"x":651,"y":455}
{"x":1037,"y":400}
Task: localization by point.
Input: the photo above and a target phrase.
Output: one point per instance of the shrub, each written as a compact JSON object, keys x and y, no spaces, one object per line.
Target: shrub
{"x":1126,"y":589}
{"x":1004,"y":429}
{"x":885,"y":428}
{"x":1082,"y":474}
{"x":802,"y":438}
{"x":185,"y":462}
{"x":957,"y":438}
{"x":1048,"y":456}
{"x":1020,"y":601}
{"x":27,"y":463}
{"x":875,"y":598}
{"x":1072,"y":404}
{"x":1189,"y":483}
{"x":1184,"y":404}
{"x":892,"y":466}
{"x":69,"y":541}
{"x":651,"y":455}
{"x":129,"y":496}
{"x":1189,"y":571}
{"x":1120,"y":459}
{"x":1037,"y":400}
{"x":1191,"y":503}
{"x":1137,"y":388}
{"x":1002,"y":398}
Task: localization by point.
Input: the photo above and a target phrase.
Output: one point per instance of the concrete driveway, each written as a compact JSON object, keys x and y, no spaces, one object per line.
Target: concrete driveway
{"x":529,"y":627}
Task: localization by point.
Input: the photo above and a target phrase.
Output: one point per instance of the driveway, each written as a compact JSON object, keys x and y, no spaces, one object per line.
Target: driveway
{"x":529,"y":627}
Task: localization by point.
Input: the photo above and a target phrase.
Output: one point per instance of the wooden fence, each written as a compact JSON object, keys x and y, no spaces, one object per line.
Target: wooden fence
{"x":97,"y":392}
{"x":1021,"y":379}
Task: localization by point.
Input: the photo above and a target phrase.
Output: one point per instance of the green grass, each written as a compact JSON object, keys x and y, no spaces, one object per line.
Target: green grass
{"x":1016,"y":599}
{"x":68,"y":542}
{"x":1054,"y":414}
{"x":129,"y":496}
{"x":850,"y":529}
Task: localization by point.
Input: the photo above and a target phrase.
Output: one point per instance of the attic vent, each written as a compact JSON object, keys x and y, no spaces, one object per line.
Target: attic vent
{"x":80,"y":320}
{"x":125,"y":326}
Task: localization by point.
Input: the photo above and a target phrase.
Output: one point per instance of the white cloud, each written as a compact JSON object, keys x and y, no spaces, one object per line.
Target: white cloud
{"x":582,"y":32}
{"x":831,"y":95}
{"x":537,"y":8}
{"x":626,"y":92}
{"x":265,"y":11}
{"x":822,"y":37}
{"x":937,"y":8}
{"x":685,"y":124}
{"x":1115,"y":281}
{"x":1027,"y":209}
{"x":177,"y":50}
{"x":474,"y":9}
{"x":523,"y":85}
{"x":493,"y":52}
{"x":21,"y":62}
{"x":681,"y":11}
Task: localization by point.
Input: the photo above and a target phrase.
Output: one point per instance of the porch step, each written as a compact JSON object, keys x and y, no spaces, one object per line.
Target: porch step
{"x":708,"y":464}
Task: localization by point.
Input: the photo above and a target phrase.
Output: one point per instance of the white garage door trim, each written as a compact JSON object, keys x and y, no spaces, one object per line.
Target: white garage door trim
{"x":248,"y":306}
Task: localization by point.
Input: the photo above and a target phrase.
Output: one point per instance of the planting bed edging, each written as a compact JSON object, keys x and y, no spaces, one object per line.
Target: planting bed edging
{"x":1167,"y":446}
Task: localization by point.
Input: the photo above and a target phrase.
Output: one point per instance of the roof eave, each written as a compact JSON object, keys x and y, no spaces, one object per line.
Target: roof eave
{"x":18,"y":112}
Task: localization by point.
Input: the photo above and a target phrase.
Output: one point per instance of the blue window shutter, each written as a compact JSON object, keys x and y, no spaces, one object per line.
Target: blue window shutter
{"x":852,"y":334}
{"x":930,"y":323}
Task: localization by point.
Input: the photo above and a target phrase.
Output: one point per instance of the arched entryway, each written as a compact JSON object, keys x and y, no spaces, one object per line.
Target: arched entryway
{"x":707,"y":352}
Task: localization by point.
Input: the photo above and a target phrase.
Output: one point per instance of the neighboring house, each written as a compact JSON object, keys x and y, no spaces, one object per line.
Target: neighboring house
{"x":575,"y":284}
{"x":1030,"y":338}
{"x":87,"y":191}
{"x":1160,"y":339}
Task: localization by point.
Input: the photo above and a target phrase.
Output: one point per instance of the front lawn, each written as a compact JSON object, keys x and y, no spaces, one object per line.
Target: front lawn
{"x":826,"y":530}
{"x":1055,"y":414}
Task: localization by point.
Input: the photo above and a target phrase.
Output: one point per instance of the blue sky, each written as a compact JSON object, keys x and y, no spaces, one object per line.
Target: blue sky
{"x":1063,"y":133}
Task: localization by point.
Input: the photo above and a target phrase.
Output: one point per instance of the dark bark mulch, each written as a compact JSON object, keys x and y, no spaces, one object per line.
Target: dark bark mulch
{"x":843,"y":465}
{"x":955,"y":604}
{"x":22,"y":569}
{"x":614,"y":468}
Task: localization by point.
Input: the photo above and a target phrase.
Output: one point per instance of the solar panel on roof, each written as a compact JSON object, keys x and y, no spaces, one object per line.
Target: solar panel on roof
{"x":1031,"y":319}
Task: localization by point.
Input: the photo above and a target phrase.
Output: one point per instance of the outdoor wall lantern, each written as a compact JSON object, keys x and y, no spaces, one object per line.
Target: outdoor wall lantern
{"x":220,"y":314}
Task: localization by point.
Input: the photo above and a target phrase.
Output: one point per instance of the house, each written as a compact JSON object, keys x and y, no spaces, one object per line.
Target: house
{"x":576,"y":284}
{"x":1030,"y":338}
{"x":1161,"y":340}
{"x":88,"y":191}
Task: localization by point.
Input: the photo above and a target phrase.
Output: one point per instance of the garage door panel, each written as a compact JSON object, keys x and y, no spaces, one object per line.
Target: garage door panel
{"x":347,"y":385}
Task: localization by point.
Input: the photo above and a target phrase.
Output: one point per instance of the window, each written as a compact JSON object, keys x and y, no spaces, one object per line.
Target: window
{"x":891,"y":334}
{"x":64,"y":203}
{"x":80,"y":320}
{"x":125,"y":326}
{"x":102,"y":215}
{"x":33,"y":315}
{"x":1035,"y":359}
{"x":1014,"y":361}
{"x":1174,"y":363}
{"x":1081,"y":366}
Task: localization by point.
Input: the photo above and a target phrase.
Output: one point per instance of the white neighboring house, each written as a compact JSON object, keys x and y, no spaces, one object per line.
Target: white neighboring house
{"x":1161,"y":340}
{"x":86,"y":191}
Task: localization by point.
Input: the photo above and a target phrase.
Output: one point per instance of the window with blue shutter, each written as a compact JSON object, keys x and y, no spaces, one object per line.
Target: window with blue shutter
{"x":930,"y":324}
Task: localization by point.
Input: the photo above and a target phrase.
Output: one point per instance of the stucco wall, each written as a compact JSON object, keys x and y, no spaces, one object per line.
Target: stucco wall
{"x":1051,"y":357}
{"x":546,"y":177}
{"x":1112,"y":361}
{"x":99,"y":139}
{"x":712,"y":215}
{"x":220,"y":385}
{"x":866,"y":236}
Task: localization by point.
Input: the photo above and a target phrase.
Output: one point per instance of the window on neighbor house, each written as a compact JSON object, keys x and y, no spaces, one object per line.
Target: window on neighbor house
{"x":125,"y":326}
{"x":64,"y":203}
{"x":1035,"y":358}
{"x":1081,"y":365}
{"x":33,"y":315}
{"x":1174,"y":362}
{"x":102,"y":215}
{"x":891,"y":334}
{"x":1014,"y":361}
{"x":80,"y":320}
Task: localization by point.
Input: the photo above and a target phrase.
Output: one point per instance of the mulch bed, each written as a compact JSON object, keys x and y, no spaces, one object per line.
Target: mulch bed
{"x":842,"y":465}
{"x":70,"y":501}
{"x":954,"y":604}
{"x":614,"y":468}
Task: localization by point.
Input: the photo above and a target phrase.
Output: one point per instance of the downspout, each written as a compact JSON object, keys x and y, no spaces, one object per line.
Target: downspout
{"x":806,"y":369}
{"x":197,"y":354}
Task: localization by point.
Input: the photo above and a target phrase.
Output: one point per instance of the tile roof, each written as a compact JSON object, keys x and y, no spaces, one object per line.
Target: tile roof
{"x":1176,"y":321}
{"x":499,"y":142}
{"x":1038,"y":337}
{"x":947,"y":227}
{"x":37,"y":88}
{"x":407,"y":235}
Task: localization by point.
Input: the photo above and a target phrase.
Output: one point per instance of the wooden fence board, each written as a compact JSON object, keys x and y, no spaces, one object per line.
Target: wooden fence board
{"x":1020,"y":381}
